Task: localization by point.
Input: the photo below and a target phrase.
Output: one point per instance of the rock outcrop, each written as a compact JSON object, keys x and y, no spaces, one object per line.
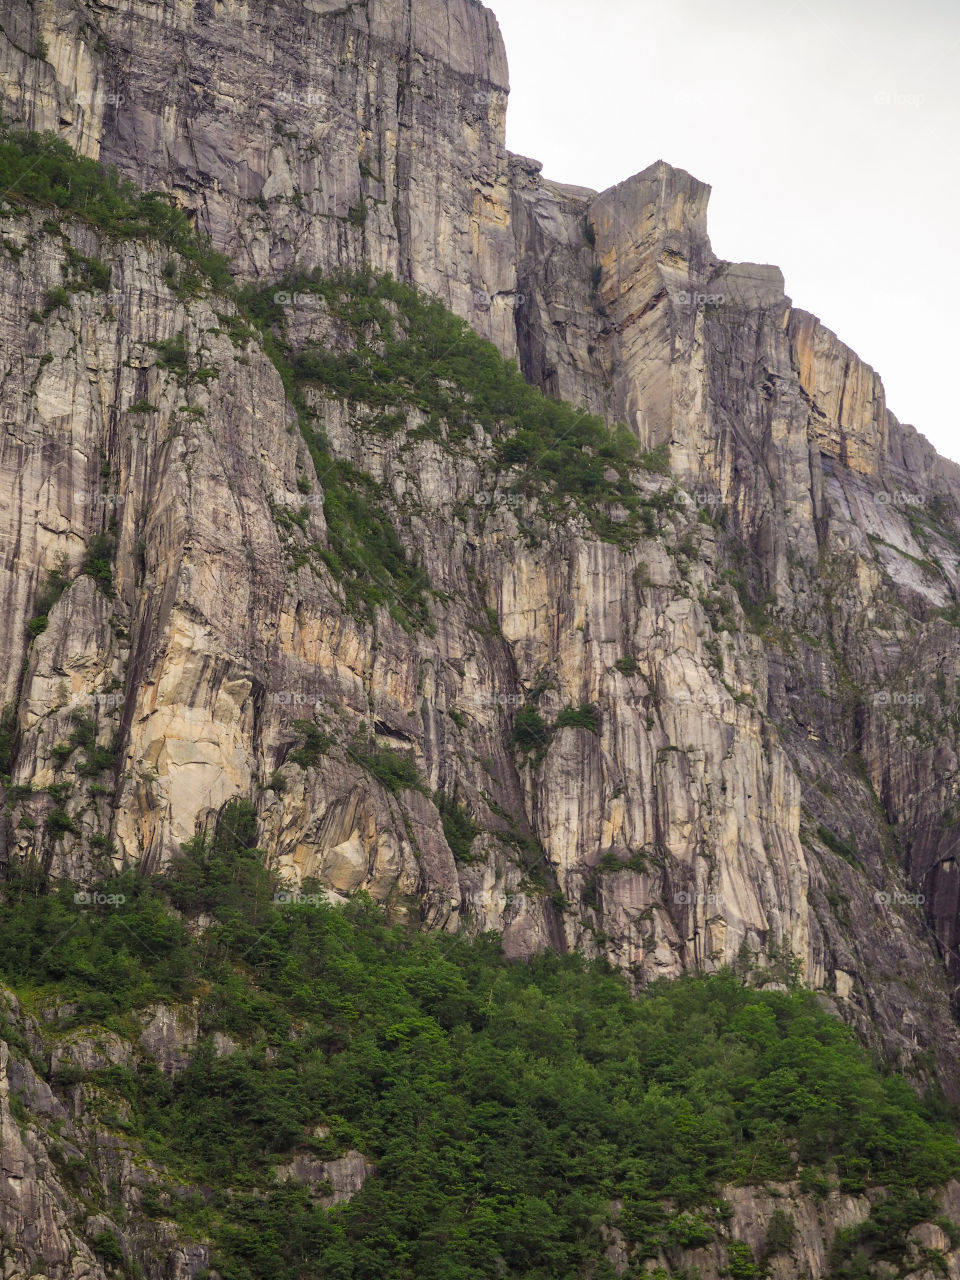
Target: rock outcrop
{"x":751,"y":712}
{"x":772,"y":768}
{"x":349,"y":133}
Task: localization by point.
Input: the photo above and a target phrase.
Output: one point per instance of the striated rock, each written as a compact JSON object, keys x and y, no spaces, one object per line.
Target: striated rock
{"x":385,"y":145}
{"x":769,"y":772}
{"x":88,"y":1049}
{"x":35,"y":1210}
{"x":815,"y":1223}
{"x":169,"y":1035}
{"x":683,"y":833}
{"x":560,"y":326}
{"x":331,"y":1181}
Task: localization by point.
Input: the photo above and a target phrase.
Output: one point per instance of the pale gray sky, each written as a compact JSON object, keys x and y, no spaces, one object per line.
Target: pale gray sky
{"x":828,"y":130}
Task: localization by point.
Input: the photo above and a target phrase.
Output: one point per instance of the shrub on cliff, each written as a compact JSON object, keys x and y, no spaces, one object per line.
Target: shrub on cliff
{"x":42,"y":169}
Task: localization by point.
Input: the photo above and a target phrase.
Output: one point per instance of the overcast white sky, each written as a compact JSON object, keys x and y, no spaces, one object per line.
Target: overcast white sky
{"x":828,"y":129}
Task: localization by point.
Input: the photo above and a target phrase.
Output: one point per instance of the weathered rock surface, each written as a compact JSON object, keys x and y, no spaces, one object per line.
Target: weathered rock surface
{"x":330,"y":1181}
{"x":685,"y":830}
{"x":59,"y":1153}
{"x":384,"y":145}
{"x":815,"y":1223}
{"x":619,"y":305}
{"x":775,"y":665}
{"x":57,"y":1157}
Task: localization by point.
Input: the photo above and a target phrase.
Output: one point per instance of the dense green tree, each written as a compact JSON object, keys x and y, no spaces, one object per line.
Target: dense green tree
{"x":503,"y":1105}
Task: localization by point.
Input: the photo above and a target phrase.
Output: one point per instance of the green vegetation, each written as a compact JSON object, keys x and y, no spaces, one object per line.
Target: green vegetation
{"x":221,"y":873}
{"x":312,"y":744}
{"x":110,"y":962}
{"x":56,"y":583}
{"x":657,"y":460}
{"x":404,"y":351}
{"x":106,"y":1245}
{"x":741,"y":1264}
{"x":172,"y":354}
{"x":503,"y":1105}
{"x":586,"y":716}
{"x":357,"y":213}
{"x":98,"y":561}
{"x":83,"y":274}
{"x":531,"y":733}
{"x":781,"y":1232}
{"x":636,"y":860}
{"x":409,"y":352}
{"x":8,"y":730}
{"x":59,"y":823}
{"x":838,"y":846}
{"x":394,"y":771}
{"x":883,"y":1236}
{"x":363,"y":551}
{"x":42,"y":169}
{"x":54,"y":299}
{"x":458,"y":827}
{"x":755,"y":608}
{"x":84,"y":735}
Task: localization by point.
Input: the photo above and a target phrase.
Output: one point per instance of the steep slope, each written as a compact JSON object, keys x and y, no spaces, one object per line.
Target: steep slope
{"x":383,"y":145}
{"x":279,"y":529}
{"x":290,"y":532}
{"x":668,"y":818}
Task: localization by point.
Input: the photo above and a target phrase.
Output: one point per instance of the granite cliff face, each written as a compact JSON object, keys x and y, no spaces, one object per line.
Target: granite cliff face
{"x":331,"y":135}
{"x":726,"y":750}
{"x":768,"y":767}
